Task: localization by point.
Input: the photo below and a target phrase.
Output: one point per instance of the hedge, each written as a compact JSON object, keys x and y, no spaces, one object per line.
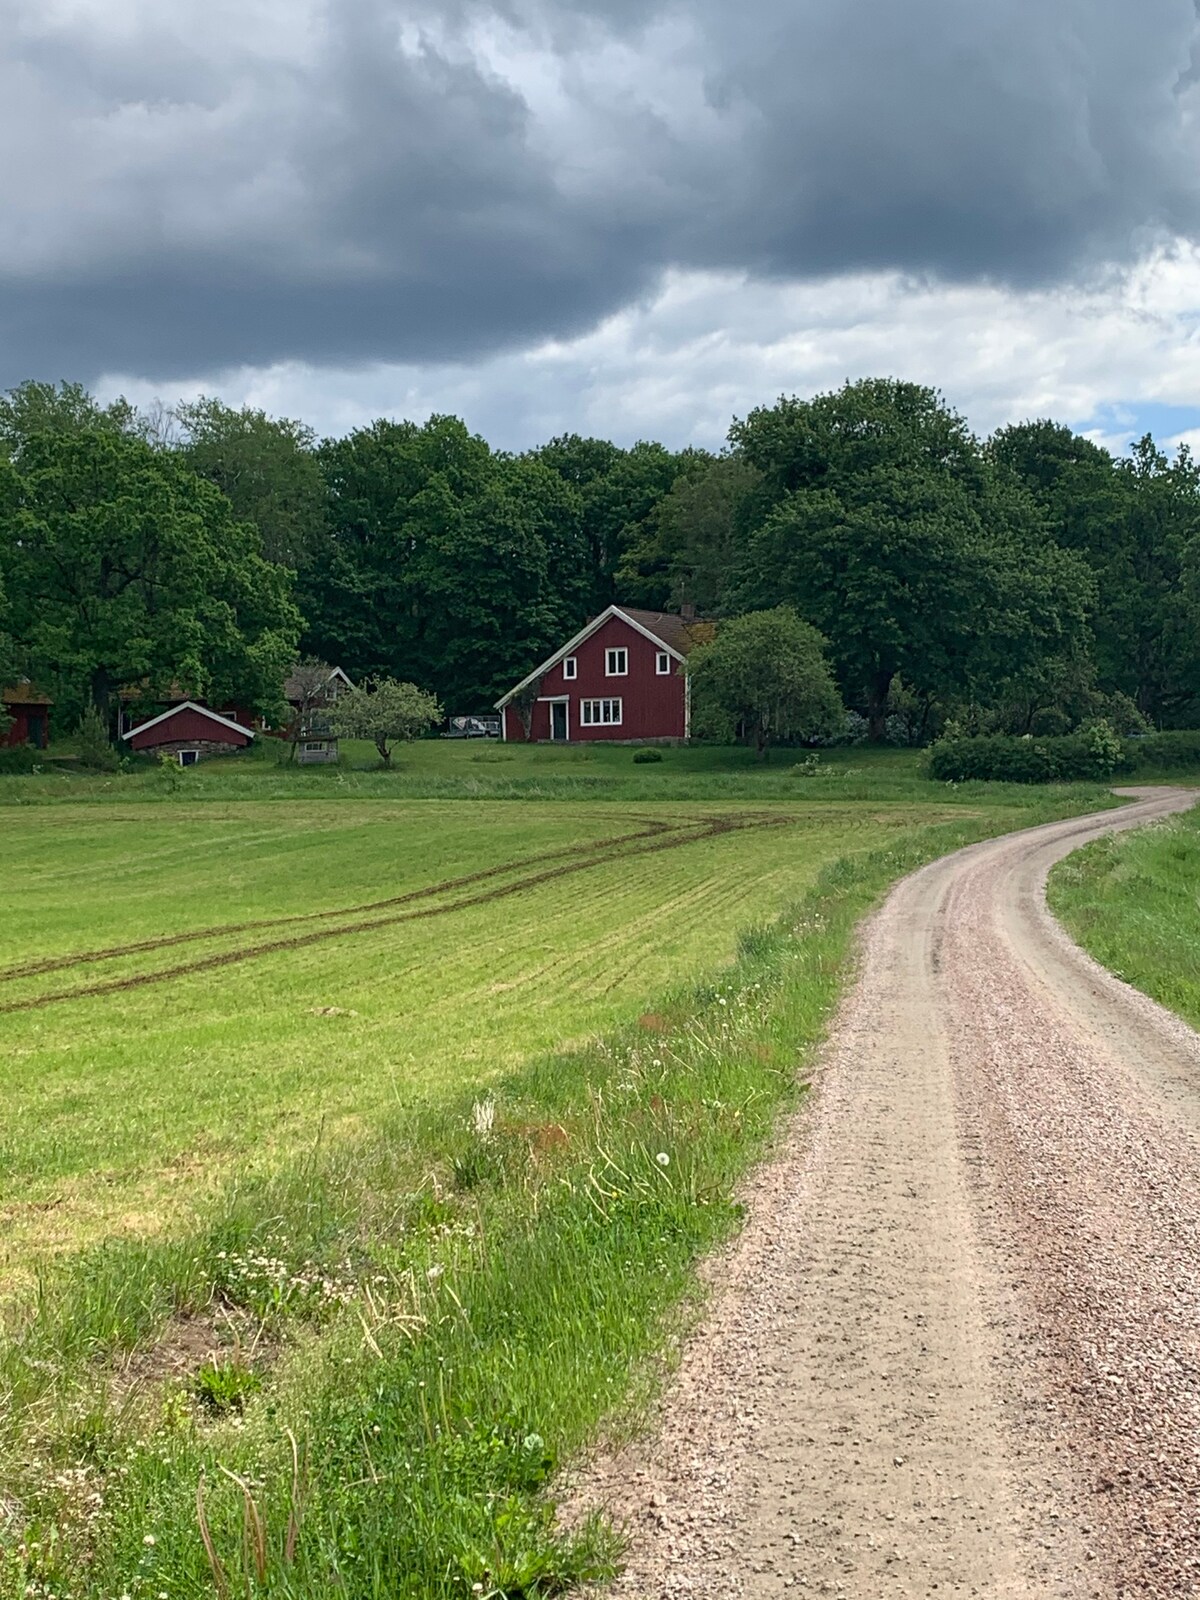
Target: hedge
{"x":1004,"y":758}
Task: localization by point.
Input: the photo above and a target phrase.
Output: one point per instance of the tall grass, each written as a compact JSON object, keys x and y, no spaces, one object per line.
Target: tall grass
{"x":1133,"y":901}
{"x":438,"y":1315}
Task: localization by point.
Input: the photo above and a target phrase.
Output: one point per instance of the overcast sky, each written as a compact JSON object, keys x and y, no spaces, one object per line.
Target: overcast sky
{"x":620,"y":217}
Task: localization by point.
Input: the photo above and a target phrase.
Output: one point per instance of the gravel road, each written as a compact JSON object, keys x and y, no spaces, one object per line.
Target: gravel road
{"x":956,"y":1350}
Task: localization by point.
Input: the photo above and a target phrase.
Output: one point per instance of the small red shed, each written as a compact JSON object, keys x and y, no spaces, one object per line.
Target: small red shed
{"x":189,"y":732}
{"x":29,"y":712}
{"x":619,"y":679}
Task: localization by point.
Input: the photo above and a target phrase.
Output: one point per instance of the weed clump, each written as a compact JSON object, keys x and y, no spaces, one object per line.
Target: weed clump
{"x":223,"y":1387}
{"x":642,"y":758}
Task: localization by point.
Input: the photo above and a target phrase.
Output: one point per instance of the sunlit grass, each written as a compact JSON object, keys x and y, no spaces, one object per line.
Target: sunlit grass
{"x":364,"y":1239}
{"x":126,"y":1107}
{"x":1133,"y":901}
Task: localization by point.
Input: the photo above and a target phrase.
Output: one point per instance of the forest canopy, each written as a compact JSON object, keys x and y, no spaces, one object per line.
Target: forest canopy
{"x":1027,"y":582}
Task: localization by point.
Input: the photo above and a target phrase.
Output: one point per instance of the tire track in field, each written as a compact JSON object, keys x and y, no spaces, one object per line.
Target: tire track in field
{"x":38,"y":968}
{"x":707,"y":829}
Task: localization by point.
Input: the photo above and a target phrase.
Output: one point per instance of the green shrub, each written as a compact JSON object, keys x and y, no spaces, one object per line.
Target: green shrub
{"x":642,"y":757}
{"x":1096,"y":754}
{"x":96,"y":753}
{"x":20,"y":758}
{"x":1177,"y":749}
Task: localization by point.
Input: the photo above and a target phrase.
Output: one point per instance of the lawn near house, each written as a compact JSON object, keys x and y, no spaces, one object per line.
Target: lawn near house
{"x":377,"y":1174}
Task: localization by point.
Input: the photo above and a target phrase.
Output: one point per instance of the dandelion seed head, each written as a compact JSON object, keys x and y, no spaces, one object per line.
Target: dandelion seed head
{"x":663,"y":1159}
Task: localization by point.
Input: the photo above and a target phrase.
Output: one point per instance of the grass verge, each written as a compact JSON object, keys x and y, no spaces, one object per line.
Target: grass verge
{"x":1133,"y":902}
{"x":359,"y":1375}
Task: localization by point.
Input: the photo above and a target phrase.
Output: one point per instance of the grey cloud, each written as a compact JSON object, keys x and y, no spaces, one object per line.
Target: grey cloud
{"x":370,"y":180}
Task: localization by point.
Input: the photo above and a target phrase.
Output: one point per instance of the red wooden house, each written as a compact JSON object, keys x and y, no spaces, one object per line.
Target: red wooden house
{"x":189,"y":732}
{"x":620,"y":679}
{"x":28,"y":711}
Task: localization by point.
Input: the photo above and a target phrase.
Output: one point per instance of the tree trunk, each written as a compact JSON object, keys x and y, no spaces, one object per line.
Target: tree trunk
{"x":877,"y":695}
{"x":100,"y":690}
{"x":385,"y":755}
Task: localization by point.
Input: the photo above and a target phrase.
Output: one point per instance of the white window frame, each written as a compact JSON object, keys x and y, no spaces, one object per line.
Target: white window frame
{"x":311,"y":745}
{"x":619,"y":654}
{"x":592,"y":713}
{"x":662,"y":663}
{"x":179,"y":755}
{"x":570,"y":668}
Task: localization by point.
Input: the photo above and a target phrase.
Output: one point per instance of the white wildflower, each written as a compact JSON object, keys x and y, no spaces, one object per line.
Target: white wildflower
{"x":663,"y":1159}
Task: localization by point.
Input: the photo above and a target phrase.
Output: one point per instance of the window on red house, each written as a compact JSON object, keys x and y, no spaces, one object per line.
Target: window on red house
{"x":616,"y":663}
{"x":598,"y":713}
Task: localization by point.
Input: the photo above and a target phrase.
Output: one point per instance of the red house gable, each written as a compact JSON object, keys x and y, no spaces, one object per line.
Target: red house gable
{"x":619,"y":679}
{"x":189,"y":723}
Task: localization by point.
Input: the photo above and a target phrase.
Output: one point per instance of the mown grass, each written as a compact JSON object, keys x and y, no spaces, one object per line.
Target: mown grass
{"x":126,"y":1108}
{"x":1133,"y":901}
{"x":414,"y":1313}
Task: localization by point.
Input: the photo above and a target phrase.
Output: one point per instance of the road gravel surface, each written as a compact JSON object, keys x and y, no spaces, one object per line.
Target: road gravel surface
{"x":956,"y":1350}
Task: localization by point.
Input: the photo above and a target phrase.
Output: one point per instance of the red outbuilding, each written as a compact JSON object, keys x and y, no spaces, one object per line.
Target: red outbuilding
{"x":621,"y":679}
{"x":28,"y":711}
{"x":189,"y":732}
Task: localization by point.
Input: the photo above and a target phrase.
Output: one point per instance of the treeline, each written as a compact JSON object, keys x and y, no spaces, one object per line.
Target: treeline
{"x":1026,"y":583}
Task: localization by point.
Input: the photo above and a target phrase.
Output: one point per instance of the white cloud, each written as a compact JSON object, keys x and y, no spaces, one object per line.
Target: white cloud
{"x":708,"y":346}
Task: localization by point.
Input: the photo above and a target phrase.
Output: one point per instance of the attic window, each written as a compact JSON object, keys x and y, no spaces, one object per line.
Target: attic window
{"x":662,"y":663}
{"x":616,"y":663}
{"x":569,"y":666}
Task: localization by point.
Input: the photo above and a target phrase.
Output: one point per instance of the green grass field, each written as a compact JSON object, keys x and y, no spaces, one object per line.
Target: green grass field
{"x":364,"y":1131}
{"x":217,"y":986}
{"x":1133,"y":901}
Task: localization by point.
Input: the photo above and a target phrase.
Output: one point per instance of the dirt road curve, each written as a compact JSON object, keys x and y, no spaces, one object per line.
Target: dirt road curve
{"x":957,"y":1350}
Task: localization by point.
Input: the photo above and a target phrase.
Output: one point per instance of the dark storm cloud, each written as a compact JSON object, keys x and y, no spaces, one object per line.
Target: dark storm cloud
{"x":364,"y":180}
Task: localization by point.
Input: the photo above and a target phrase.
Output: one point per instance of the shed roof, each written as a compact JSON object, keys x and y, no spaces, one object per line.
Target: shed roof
{"x":24,"y":693}
{"x":190,"y":705}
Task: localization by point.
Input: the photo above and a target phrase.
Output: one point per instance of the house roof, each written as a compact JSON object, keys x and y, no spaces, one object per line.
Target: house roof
{"x":674,"y":633}
{"x":680,"y":634}
{"x":24,"y":694}
{"x":190,"y":705}
{"x":293,"y":690}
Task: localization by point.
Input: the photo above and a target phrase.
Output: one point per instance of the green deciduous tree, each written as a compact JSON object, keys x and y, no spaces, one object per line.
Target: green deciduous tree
{"x":445,"y":563}
{"x":266,"y":467}
{"x":1135,"y":524}
{"x":765,"y":673}
{"x":123,"y":568}
{"x":619,"y":492}
{"x":384,"y":711}
{"x":892,"y":534}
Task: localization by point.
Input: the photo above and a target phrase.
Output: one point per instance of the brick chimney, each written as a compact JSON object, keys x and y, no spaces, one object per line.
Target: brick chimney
{"x":688,"y":611}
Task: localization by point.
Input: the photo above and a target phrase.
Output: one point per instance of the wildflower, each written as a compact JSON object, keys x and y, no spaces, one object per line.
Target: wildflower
{"x":663,"y":1159}
{"x":435,"y":1272}
{"x":149,"y":1539}
{"x":721,"y":1000}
